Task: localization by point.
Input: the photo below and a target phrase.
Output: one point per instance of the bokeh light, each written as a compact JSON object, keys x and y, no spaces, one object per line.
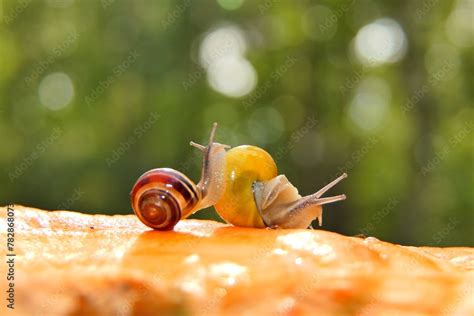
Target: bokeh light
{"x":459,"y":25}
{"x":370,"y":103}
{"x":56,"y":91}
{"x":232,"y":76}
{"x":222,"y":53}
{"x":382,"y":41}
{"x":220,"y":43}
{"x":442,"y":61}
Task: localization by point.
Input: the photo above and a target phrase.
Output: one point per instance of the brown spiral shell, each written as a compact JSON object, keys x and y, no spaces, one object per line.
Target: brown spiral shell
{"x":162,"y":196}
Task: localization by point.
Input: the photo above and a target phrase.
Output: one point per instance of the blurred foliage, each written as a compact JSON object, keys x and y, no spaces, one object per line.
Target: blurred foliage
{"x":94,"y":93}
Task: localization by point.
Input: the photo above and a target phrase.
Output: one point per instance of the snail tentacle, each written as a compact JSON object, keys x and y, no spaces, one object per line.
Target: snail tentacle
{"x":198,"y":146}
{"x":212,"y":182}
{"x":280,"y":204}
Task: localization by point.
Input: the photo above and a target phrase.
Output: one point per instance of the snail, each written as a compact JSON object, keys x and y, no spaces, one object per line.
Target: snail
{"x":242,"y":184}
{"x":163,"y":196}
{"x":256,"y":196}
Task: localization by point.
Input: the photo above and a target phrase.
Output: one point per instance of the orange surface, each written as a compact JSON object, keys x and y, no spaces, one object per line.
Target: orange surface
{"x":69,"y":263}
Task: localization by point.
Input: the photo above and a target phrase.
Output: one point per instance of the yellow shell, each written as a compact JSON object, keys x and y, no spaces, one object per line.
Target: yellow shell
{"x":244,"y":165}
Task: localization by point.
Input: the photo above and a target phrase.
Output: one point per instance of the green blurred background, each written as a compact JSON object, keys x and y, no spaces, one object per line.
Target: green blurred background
{"x":94,"y":93}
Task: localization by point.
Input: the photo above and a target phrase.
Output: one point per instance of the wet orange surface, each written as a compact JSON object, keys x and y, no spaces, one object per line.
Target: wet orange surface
{"x":69,"y":263}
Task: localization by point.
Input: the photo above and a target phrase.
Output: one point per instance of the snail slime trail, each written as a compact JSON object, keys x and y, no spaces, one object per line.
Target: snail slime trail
{"x":10,"y":257}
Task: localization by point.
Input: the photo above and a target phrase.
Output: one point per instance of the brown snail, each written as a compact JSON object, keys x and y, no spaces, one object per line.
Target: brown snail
{"x":163,"y":196}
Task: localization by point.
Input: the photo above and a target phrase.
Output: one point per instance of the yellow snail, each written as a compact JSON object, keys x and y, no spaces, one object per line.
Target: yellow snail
{"x":243,"y":185}
{"x":256,"y":196}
